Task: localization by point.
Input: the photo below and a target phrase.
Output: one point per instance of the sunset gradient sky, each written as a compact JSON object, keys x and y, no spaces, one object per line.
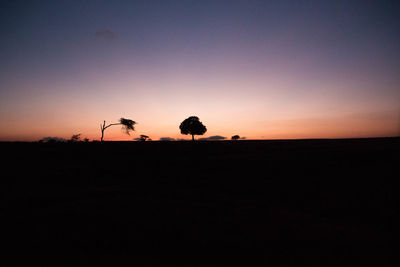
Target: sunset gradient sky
{"x":260,"y":69}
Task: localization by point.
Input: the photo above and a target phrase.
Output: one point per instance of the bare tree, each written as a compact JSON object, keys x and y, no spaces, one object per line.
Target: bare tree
{"x":127,"y":125}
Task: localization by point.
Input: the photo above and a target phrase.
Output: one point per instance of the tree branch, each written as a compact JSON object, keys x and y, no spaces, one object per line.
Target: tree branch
{"x":111,"y":125}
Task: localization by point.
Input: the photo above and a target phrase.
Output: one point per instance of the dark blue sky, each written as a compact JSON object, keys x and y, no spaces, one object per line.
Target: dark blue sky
{"x":40,"y":29}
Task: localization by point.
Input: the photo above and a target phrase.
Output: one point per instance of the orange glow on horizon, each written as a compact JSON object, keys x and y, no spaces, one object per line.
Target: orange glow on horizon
{"x":350,"y":126}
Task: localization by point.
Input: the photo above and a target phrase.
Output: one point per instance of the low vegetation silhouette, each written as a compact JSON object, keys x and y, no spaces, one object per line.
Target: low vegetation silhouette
{"x":75,"y":138}
{"x":143,"y":138}
{"x":235,"y":137}
{"x":167,"y":139}
{"x":127,"y":125}
{"x":53,"y":139}
{"x":213,"y":138}
{"x":192,"y":126}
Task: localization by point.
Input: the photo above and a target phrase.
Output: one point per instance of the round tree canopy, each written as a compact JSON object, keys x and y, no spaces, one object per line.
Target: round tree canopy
{"x":193,"y":126}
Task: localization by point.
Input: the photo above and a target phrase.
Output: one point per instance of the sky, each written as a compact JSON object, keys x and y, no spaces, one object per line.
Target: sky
{"x":260,"y":69}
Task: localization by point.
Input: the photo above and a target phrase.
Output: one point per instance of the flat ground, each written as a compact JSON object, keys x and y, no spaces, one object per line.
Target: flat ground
{"x":301,"y":203}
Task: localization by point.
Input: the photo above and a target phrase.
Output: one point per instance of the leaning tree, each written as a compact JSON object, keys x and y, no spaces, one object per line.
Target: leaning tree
{"x":127,"y":125}
{"x":192,"y":126}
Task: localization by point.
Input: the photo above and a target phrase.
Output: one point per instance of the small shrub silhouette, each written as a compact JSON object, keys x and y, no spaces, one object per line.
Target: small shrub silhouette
{"x":50,"y":139}
{"x":143,"y":138}
{"x":235,"y":137}
{"x":75,"y":138}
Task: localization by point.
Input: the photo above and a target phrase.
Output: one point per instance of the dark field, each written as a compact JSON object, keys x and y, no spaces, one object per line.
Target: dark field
{"x":294,"y":203}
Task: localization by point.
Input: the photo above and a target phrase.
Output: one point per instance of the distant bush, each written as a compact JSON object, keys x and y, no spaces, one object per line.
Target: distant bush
{"x":235,"y":137}
{"x":213,"y":138}
{"x":75,"y":138}
{"x":142,"y":138}
{"x":167,"y":139}
{"x":50,"y":139}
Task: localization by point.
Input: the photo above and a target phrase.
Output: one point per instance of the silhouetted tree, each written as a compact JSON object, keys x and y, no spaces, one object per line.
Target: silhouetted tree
{"x":192,"y":126}
{"x":235,"y":137}
{"x":127,"y":125}
{"x":75,"y":138}
{"x":142,"y":138}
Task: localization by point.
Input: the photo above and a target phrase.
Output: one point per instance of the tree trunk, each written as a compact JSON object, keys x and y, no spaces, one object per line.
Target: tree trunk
{"x":192,"y":137}
{"x":102,"y":127}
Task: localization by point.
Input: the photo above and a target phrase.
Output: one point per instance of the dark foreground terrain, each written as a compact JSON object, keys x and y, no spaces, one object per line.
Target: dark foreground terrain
{"x":288,"y":203}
